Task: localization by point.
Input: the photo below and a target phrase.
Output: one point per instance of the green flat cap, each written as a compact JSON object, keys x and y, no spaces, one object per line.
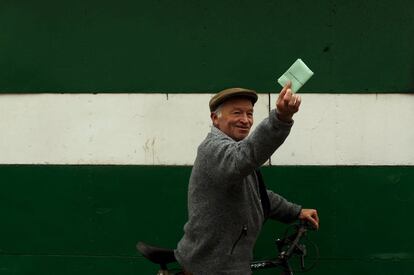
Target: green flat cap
{"x":224,"y":95}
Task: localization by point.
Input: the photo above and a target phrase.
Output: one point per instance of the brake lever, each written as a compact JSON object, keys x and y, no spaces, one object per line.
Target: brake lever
{"x":302,"y":262}
{"x":302,"y":251}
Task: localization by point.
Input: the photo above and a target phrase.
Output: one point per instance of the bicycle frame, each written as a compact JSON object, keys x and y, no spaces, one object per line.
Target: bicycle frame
{"x":284,"y":255}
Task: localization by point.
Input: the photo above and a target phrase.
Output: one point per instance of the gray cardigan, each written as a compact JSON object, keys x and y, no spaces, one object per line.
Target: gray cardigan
{"x":225,"y":214}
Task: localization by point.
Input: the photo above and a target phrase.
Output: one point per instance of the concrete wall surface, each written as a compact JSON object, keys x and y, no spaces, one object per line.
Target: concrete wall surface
{"x":103,"y":104}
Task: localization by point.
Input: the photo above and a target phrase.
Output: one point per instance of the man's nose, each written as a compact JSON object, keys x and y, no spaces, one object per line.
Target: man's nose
{"x":244,"y":119}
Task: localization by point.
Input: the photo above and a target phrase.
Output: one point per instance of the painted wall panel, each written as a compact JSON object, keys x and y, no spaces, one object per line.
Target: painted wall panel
{"x":185,"y":46}
{"x":351,"y":129}
{"x":166,"y":129}
{"x":158,"y":63}
{"x":363,"y":45}
{"x":106,"y":129}
{"x":88,"y":218}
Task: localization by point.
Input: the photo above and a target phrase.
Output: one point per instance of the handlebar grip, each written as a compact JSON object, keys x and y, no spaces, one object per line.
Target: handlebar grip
{"x":307,"y":225}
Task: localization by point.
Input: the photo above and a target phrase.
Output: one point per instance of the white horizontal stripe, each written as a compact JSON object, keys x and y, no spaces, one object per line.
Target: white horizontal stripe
{"x":351,"y":129}
{"x":155,"y":129}
{"x":165,"y":129}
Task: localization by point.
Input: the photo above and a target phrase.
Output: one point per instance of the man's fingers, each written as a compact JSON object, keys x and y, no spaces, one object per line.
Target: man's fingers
{"x":316,"y":216}
{"x":282,"y":94}
{"x":284,"y":90}
{"x":298,"y":101}
{"x":293,"y":103}
{"x":287,"y":86}
{"x":288,"y":96}
{"x":287,"y":103}
{"x":314,"y":222}
{"x":315,"y":219}
{"x":292,"y":100}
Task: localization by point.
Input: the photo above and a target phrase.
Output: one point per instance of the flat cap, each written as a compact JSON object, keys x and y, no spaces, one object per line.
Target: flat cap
{"x":224,"y":95}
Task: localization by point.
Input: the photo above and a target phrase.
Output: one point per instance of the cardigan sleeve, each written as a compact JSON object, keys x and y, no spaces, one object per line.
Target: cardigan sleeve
{"x":281,"y":209}
{"x":232,"y":159}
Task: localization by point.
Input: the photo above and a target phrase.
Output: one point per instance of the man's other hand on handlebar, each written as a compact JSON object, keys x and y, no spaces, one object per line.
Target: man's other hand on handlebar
{"x":310,"y":215}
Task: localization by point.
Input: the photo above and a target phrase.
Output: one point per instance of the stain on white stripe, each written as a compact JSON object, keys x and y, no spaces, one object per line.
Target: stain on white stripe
{"x":165,"y":129}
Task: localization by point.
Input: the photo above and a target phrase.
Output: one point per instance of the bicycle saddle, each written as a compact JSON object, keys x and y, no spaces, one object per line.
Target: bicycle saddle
{"x":156,"y":255}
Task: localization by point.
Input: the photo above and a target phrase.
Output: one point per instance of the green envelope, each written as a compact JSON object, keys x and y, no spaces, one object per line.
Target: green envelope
{"x":298,"y":74}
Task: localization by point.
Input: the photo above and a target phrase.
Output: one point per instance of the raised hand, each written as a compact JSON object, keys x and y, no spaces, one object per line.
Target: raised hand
{"x":287,"y":104}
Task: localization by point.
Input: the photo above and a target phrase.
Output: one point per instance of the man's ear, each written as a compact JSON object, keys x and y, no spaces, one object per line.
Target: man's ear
{"x":214,"y":118}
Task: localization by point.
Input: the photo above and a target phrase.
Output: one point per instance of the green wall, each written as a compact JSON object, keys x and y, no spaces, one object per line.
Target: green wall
{"x":87,"y":219}
{"x":203,"y":46}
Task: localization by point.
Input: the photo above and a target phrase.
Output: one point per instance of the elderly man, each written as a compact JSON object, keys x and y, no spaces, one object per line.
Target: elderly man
{"x":227,"y":200}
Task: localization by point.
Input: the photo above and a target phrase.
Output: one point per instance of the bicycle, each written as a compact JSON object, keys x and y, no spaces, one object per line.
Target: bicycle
{"x":288,"y":247}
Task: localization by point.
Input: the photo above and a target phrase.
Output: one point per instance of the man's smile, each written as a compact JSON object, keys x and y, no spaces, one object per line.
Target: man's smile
{"x":243,"y":128}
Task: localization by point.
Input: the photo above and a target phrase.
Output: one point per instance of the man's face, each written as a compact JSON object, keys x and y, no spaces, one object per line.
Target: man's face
{"x":236,"y":118}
